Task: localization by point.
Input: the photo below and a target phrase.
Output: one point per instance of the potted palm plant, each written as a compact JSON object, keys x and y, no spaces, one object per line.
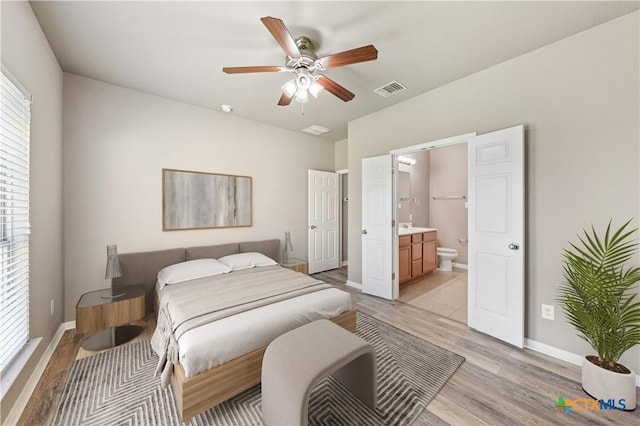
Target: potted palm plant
{"x":600,"y":299}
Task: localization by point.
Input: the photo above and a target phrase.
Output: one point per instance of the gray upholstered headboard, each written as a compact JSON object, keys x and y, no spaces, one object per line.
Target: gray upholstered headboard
{"x":143,"y":267}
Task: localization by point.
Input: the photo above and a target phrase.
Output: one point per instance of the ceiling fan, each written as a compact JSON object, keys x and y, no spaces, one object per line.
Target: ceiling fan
{"x":305,"y":65}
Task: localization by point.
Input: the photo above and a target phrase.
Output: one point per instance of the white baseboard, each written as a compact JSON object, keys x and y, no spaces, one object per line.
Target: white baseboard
{"x":23,"y":398}
{"x":560,"y":354}
{"x":460,"y":265}
{"x":553,"y":352}
{"x":355,"y":285}
{"x":345,"y":263}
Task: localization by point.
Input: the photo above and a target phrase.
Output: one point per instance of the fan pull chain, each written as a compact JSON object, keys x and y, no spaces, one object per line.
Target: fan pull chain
{"x":301,"y":108}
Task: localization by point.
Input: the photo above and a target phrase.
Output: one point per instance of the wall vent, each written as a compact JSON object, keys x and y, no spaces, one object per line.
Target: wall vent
{"x":390,"y":88}
{"x":316,"y":130}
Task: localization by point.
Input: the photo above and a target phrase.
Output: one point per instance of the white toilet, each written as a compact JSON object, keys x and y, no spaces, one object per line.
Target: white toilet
{"x":445,"y":256}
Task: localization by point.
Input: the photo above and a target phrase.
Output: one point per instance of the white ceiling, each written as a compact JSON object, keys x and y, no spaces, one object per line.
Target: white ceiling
{"x":177,"y":49}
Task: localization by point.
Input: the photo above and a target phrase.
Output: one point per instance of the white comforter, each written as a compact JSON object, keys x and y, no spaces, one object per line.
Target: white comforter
{"x":215,"y":343}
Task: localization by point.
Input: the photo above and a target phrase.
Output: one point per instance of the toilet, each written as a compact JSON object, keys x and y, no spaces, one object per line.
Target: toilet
{"x":445,"y":256}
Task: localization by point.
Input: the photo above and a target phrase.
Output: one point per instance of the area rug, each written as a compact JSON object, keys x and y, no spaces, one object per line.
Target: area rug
{"x":117,"y":387}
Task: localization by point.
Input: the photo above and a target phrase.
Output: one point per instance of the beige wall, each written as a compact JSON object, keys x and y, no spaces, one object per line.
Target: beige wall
{"x":448,"y":177}
{"x":116,"y":142}
{"x":27,"y":55}
{"x":578,"y":99}
{"x":341,"y":159}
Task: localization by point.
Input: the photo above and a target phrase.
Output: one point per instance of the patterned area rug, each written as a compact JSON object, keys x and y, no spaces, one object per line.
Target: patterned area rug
{"x":117,"y":387}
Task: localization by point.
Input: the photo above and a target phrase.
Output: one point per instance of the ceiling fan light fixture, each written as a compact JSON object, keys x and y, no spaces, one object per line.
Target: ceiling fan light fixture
{"x":302,"y":61}
{"x":290,"y":87}
{"x":303,"y":80}
{"x":302,"y":95}
{"x":315,"y":88}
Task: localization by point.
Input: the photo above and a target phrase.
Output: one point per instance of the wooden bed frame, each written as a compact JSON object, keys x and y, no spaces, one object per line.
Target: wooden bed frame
{"x":211,"y":387}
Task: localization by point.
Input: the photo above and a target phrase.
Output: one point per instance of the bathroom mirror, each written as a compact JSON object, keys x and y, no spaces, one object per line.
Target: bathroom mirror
{"x":404,"y":195}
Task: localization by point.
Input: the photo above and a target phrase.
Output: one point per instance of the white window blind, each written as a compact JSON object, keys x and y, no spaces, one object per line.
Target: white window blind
{"x":14,"y":219}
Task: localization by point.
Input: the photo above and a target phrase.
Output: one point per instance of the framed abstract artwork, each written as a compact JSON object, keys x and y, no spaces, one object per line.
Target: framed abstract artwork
{"x":197,"y":200}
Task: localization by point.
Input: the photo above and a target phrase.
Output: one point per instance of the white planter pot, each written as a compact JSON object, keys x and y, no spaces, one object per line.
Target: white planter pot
{"x":607,"y":385}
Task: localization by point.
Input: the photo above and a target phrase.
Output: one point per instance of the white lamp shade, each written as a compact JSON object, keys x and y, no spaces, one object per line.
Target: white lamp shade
{"x":303,"y":80}
{"x":315,"y":89}
{"x":289,"y":88}
{"x":302,"y":96}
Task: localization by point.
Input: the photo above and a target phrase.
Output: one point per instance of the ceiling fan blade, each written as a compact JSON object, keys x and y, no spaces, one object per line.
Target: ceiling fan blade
{"x":353,"y":56}
{"x":279,"y":31}
{"x":239,"y":70}
{"x":284,"y":100}
{"x":335,"y":88}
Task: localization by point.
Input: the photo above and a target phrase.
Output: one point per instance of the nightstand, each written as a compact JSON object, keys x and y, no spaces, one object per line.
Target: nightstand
{"x":297,"y":265}
{"x":109,"y":309}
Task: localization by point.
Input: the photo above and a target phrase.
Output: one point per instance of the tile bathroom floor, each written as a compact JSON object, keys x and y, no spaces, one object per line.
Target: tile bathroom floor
{"x":441,"y":293}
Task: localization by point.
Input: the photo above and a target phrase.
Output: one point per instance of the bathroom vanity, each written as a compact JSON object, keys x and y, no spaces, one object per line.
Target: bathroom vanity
{"x":417,"y":253}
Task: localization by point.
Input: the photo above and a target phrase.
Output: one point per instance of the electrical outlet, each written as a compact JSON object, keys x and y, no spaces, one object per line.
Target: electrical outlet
{"x":52,"y":306}
{"x":547,"y":312}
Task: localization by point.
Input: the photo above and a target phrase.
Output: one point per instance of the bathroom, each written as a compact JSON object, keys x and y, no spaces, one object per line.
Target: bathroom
{"x":432,"y":191}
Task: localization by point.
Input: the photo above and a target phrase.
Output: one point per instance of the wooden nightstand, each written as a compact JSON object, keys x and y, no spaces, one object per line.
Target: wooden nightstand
{"x":109,"y":309}
{"x":297,"y":265}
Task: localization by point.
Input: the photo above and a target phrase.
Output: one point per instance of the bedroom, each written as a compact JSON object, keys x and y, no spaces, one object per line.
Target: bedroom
{"x":95,"y":141}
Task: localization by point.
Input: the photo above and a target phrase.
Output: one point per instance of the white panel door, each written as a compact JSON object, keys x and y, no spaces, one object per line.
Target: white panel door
{"x":496,"y":234}
{"x":324,"y":221}
{"x":377,"y":229}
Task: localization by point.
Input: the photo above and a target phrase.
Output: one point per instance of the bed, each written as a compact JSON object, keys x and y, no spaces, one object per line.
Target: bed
{"x":205,"y":377}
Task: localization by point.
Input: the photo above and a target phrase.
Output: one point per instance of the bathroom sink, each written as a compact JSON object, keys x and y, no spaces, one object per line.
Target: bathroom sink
{"x":414,"y":230}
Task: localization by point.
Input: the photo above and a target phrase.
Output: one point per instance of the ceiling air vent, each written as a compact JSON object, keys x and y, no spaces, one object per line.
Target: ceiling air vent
{"x":390,"y":89}
{"x":316,"y":130}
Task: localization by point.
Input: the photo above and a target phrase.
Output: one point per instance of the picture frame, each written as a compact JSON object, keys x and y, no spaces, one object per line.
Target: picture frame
{"x":203,"y":200}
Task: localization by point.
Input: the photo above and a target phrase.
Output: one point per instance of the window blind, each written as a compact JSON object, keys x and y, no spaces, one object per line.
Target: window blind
{"x":14,"y":219}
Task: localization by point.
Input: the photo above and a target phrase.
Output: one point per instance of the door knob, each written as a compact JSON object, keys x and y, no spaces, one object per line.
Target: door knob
{"x":312,"y":227}
{"x":514,"y":246}
{"x":364,"y":232}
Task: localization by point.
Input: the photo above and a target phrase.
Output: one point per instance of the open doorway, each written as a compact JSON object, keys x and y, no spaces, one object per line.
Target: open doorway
{"x":496,"y":242}
{"x":432,"y":203}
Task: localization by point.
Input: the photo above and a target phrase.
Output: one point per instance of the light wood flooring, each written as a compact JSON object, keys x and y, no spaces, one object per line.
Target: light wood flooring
{"x":441,"y":293}
{"x":496,"y":385}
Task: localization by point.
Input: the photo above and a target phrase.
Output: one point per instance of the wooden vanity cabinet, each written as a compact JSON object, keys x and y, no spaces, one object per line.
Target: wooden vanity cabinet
{"x":429,"y":253}
{"x":404,"y":255}
{"x":417,"y":256}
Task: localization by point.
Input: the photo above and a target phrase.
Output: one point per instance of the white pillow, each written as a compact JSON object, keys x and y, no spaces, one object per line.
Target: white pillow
{"x":248,"y":260}
{"x":190,"y":270}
